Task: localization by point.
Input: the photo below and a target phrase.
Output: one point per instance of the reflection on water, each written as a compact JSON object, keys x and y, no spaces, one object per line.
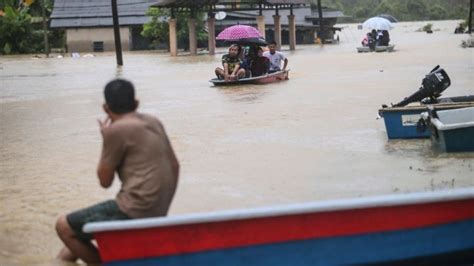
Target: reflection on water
{"x":310,"y":138}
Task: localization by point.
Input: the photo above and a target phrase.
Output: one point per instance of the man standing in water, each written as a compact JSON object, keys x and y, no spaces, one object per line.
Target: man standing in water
{"x":135,"y":146}
{"x":275,"y":58}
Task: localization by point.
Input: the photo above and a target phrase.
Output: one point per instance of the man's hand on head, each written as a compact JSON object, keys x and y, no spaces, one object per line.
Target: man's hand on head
{"x":104,"y":124}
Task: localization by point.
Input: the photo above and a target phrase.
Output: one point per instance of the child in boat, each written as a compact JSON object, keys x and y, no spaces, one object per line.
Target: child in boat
{"x":231,"y":65}
{"x":260,"y":64}
{"x":136,"y":147}
{"x":365,"y":41}
{"x":275,"y":58}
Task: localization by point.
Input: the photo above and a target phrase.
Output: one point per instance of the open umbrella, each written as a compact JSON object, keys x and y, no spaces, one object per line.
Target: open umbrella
{"x":249,"y":41}
{"x":390,"y":18}
{"x":377,"y":23}
{"x":238,"y":32}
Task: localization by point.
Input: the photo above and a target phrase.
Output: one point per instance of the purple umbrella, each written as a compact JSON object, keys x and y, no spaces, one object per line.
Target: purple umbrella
{"x":238,"y":32}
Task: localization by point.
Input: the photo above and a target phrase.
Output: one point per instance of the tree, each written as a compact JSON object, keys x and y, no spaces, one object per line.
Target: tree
{"x":15,"y":30}
{"x":384,"y":8}
{"x":157,"y":30}
{"x":417,"y":8}
{"x":437,"y":12}
{"x":20,"y":27}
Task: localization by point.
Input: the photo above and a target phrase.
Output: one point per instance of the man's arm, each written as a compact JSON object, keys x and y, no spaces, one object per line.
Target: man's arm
{"x":285,"y":64}
{"x":174,"y":163}
{"x":105,"y":174}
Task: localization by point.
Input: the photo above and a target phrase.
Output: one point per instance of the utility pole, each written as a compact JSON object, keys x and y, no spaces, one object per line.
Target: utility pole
{"x":470,"y":18}
{"x":45,"y":29}
{"x":320,"y":14}
{"x":118,"y":43}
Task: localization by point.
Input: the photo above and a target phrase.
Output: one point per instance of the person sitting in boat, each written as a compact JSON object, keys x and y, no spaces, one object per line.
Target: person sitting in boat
{"x":373,"y":40}
{"x":260,"y":64}
{"x":136,"y":147}
{"x":275,"y":58}
{"x":384,"y":39}
{"x":365,"y":41}
{"x":459,"y":29}
{"x":247,"y":56}
{"x":231,"y":65}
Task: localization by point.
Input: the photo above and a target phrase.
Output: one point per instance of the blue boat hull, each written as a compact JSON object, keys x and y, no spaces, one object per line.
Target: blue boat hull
{"x":430,"y":246}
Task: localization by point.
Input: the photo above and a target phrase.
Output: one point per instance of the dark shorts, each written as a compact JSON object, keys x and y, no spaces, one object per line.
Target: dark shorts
{"x":104,"y":211}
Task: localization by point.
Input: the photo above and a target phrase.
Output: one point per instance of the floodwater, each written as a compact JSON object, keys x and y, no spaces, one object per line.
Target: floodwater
{"x":311,"y":138}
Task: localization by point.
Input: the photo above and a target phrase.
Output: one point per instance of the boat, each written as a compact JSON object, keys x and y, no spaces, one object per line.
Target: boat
{"x":451,"y":130}
{"x":388,"y":48}
{"x":263,"y":79}
{"x":401,"y":119}
{"x":366,"y":49}
{"x":403,"y":122}
{"x":433,"y":227}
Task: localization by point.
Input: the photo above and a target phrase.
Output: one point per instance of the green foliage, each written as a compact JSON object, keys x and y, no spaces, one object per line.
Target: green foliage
{"x":157,"y":30}
{"x":15,"y":30}
{"x":404,"y":10}
{"x":428,"y":27}
{"x":437,"y":12}
{"x":18,"y":32}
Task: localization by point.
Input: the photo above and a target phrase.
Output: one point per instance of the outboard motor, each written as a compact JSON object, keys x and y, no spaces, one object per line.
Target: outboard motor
{"x":432,"y":86}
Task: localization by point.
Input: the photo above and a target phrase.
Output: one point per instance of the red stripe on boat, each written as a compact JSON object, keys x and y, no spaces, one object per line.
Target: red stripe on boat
{"x":180,"y":239}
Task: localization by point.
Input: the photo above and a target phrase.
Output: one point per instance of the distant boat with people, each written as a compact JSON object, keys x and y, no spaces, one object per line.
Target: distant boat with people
{"x":366,"y":49}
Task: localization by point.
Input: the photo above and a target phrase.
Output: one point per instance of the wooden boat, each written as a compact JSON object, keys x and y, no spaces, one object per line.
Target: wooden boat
{"x":428,"y":227}
{"x":264,"y":79}
{"x":366,"y":49}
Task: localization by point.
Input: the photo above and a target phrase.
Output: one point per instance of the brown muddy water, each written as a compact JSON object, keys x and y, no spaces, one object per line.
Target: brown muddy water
{"x":314,"y":137}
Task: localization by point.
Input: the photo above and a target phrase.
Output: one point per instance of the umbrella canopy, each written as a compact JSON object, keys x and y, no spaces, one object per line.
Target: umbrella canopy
{"x":390,"y":18}
{"x":377,"y":23}
{"x":249,"y":41}
{"x":238,"y":32}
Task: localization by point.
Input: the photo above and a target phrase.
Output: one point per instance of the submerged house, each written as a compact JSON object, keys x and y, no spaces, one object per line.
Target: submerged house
{"x":306,"y":20}
{"x":89,"y":26}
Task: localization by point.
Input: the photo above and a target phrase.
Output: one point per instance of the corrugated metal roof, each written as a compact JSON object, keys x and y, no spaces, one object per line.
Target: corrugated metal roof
{"x":192,"y":3}
{"x":303,"y":16}
{"x":286,"y":2}
{"x":96,"y":13}
{"x":184,"y":3}
{"x":327,"y":14}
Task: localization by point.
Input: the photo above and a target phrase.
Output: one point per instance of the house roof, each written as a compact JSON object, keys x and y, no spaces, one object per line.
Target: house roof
{"x":303,"y":17}
{"x":198,"y":3}
{"x":97,"y":13}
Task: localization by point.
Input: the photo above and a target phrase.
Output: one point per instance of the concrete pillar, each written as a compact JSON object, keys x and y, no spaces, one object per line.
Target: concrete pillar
{"x":276,"y":20}
{"x":211,"y":22}
{"x":292,"y":30}
{"x":261,"y":25}
{"x":192,"y":36}
{"x":173,"y":37}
